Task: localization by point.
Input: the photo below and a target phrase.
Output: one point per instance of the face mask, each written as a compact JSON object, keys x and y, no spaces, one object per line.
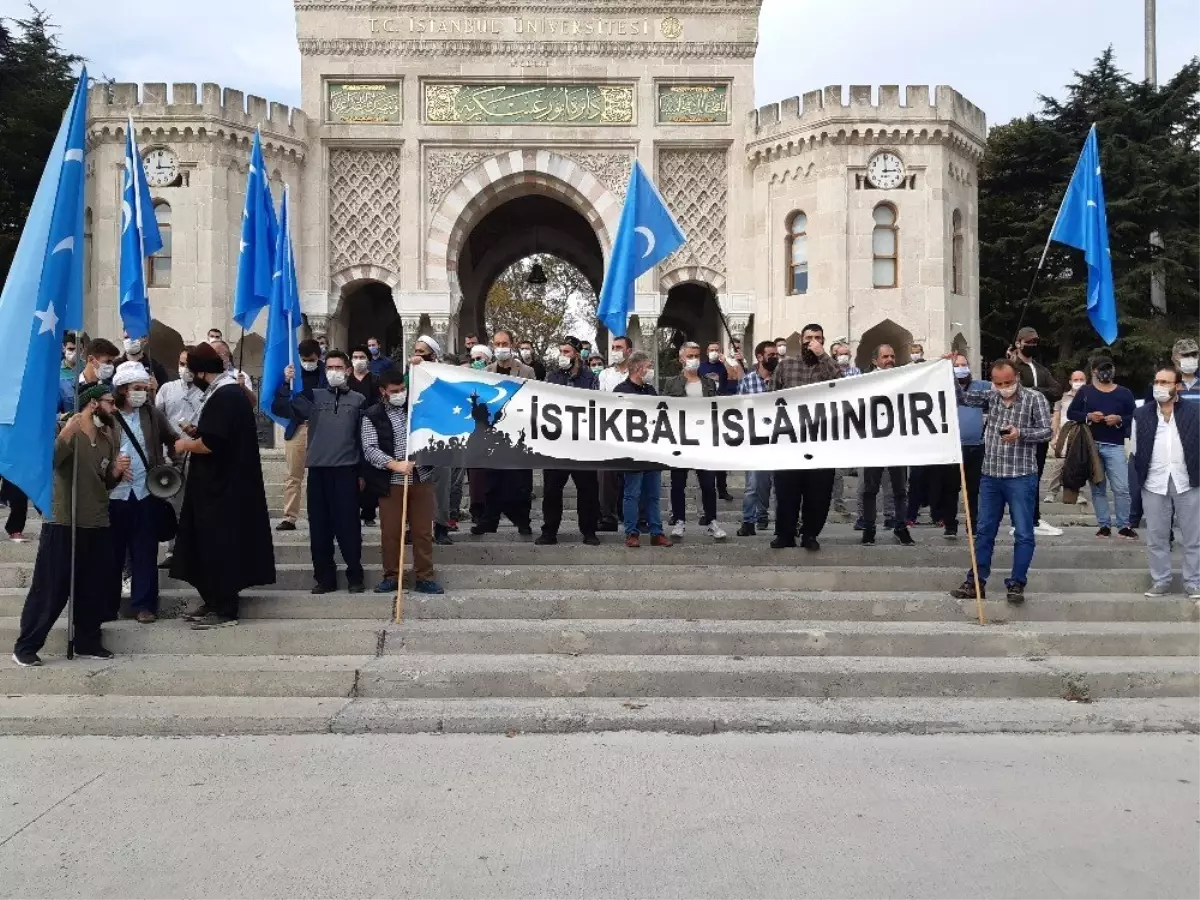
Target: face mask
{"x":374,"y":351}
{"x":617,"y":356}
{"x":136,"y":398}
{"x":691,"y":364}
{"x":526,"y":354}
{"x":585,"y":353}
{"x":648,"y":375}
{"x":843,"y":359}
{"x":1189,"y":364}
{"x":1030,"y":350}
{"x":69,"y":356}
{"x":713,"y":355}
{"x":479,"y":364}
{"x":1076,"y":385}
{"x":1007,"y":392}
{"x":1105,"y":376}
{"x":360,"y":365}
{"x":504,"y":354}
{"x":132,"y":348}
{"x":185,"y":374}
{"x":335,"y":377}
{"x":962,"y":372}
{"x":398,"y":399}
{"x":916,"y":357}
{"x":564,"y":362}
{"x":597,"y":369}
{"x":771,"y":364}
{"x":105,"y":371}
{"x":781,"y":349}
{"x":1162,"y":394}
{"x":308,"y":365}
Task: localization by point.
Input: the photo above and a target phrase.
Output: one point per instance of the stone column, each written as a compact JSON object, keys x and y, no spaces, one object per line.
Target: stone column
{"x":441,"y":331}
{"x":737,"y":328}
{"x":411,"y":327}
{"x":318,"y":325}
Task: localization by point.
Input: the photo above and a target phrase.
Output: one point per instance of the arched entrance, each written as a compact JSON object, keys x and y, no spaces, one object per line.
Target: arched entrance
{"x":886,"y":332}
{"x":369,"y":310}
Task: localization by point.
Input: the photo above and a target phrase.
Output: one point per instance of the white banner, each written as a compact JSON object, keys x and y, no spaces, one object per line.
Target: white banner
{"x":899,"y":417}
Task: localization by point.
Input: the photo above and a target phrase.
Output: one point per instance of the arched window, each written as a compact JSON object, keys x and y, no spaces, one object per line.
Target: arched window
{"x":159,"y":264}
{"x":956,"y":252}
{"x":884,"y":247}
{"x":797,"y":253}
{"x":87,"y":249}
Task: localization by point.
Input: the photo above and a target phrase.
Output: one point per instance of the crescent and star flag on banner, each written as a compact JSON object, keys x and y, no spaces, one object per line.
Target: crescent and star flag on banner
{"x":647,"y":234}
{"x":42,"y":298}
{"x":463,"y":417}
{"x":260,"y":232}
{"x":140,"y":238}
{"x":1083,"y":223}
{"x":283,"y":316}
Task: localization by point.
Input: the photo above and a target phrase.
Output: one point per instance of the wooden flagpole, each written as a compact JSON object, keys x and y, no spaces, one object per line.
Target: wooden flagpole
{"x":962,"y":474}
{"x":398,"y":610}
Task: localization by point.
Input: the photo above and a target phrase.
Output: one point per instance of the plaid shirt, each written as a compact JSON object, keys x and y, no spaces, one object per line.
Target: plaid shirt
{"x":753,"y":383}
{"x":793,"y":372}
{"x":1029,"y":413}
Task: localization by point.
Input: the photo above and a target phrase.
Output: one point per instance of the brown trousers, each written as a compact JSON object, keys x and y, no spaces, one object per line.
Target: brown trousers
{"x":422,"y":506}
{"x":295,"y":452}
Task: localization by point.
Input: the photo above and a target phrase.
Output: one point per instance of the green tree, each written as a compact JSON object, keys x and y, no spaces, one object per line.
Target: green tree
{"x":1150,"y":154}
{"x":542,"y":314}
{"x":36,"y":81}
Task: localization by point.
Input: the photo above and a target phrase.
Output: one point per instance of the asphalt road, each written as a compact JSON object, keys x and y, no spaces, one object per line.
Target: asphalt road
{"x":624,"y":815}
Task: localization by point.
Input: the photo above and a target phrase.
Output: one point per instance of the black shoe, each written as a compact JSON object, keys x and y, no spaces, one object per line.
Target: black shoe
{"x":764,"y":522}
{"x":211,"y":621}
{"x":903,"y":536}
{"x":546,"y":540}
{"x":747,"y":530}
{"x":96,"y":652}
{"x":1016,"y":592}
{"x":478,"y":530}
{"x":285,"y":525}
{"x":198,"y":613}
{"x":868,"y":536}
{"x":369,"y":522}
{"x":950,"y":533}
{"x":608,"y":525}
{"x":591,"y":540}
{"x":442,"y":539}
{"x":356,"y":587}
{"x":811,"y":544}
{"x":781,"y":543}
{"x":1128,"y":533}
{"x":26,"y":660}
{"x":670,"y":521}
{"x":1104,"y":531}
{"x":524,"y":530}
{"x":726,"y":497}
{"x":323,"y":588}
{"x":966,"y":591}
{"x":166,"y":563}
{"x":891,"y":523}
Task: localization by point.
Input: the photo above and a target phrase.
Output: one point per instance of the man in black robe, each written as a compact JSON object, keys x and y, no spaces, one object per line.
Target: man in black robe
{"x":224,"y":541}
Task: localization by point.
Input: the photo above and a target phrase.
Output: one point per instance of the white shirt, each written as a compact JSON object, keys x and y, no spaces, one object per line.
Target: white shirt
{"x":694,"y":389}
{"x":611,"y":377}
{"x":1166,"y":460}
{"x":180,"y":402}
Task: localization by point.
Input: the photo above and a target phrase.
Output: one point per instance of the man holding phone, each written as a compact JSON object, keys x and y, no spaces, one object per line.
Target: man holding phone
{"x":1108,"y":408}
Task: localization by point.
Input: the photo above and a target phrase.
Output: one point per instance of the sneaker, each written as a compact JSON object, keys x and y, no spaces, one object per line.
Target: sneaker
{"x":1049,"y":498}
{"x":679,"y":529}
{"x":859,"y":524}
{"x":212,"y":620}
{"x":285,"y":525}
{"x":1193,"y":592}
{"x":1159,"y":590}
{"x":660,"y":540}
{"x":452,"y":524}
{"x":1016,"y":592}
{"x":442,"y":538}
{"x":1104,"y":531}
{"x":811,"y":544}
{"x":145,"y":617}
{"x":387,"y":586}
{"x":323,"y":589}
{"x":783,"y":543}
{"x":198,"y":613}
{"x":26,"y":660}
{"x":726,"y":497}
{"x":356,"y":587}
{"x":546,"y":540}
{"x":1128,"y":533}
{"x":18,"y":538}
{"x":903,"y":536}
{"x":966,"y":591}
{"x":428,"y":587}
{"x":608,"y":525}
{"x":478,"y":530}
{"x":97,"y":652}
{"x":747,"y":530}
{"x":1045,"y":529}
{"x":1082,"y":501}
{"x":633,"y":541}
{"x":591,"y":540}
{"x":716,"y":532}
{"x":868,"y":536}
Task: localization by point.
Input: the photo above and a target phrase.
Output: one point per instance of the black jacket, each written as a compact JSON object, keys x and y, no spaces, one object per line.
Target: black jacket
{"x":1047,"y":385}
{"x":676,"y":386}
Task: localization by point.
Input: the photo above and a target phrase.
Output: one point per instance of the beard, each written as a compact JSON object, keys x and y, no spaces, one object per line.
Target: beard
{"x":106,"y":420}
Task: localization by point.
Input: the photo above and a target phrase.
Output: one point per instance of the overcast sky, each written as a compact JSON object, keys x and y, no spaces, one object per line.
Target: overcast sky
{"x":998,"y":53}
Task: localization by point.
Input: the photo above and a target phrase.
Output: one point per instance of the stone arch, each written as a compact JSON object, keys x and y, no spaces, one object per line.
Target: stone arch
{"x":961,"y":345}
{"x":165,"y":345}
{"x":366,"y":272}
{"x":499,"y":179}
{"x":885,"y":332}
{"x":695,"y":274}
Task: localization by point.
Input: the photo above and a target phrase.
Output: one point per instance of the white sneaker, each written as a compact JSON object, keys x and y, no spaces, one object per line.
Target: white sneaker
{"x":716,"y":532}
{"x":1082,"y":501}
{"x":1049,"y":498}
{"x":678,"y":530}
{"x":1045,"y":529}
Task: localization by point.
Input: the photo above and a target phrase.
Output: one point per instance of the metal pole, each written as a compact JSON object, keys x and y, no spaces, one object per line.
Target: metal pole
{"x":1158,"y":287}
{"x":77,"y":374}
{"x":1151,"y":44}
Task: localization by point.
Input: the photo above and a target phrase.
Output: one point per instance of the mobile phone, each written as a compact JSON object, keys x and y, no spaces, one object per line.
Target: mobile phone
{"x":1007,"y":429}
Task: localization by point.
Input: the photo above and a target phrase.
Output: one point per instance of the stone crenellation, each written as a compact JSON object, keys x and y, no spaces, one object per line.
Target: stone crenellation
{"x":821,"y":106}
{"x":187,"y":103}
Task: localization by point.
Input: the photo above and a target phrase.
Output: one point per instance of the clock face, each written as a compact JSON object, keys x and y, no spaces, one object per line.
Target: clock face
{"x":162,"y":167}
{"x":885,"y":170}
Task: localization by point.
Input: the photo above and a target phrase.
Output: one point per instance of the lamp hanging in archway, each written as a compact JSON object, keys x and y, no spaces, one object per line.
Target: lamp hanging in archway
{"x":537,"y":275}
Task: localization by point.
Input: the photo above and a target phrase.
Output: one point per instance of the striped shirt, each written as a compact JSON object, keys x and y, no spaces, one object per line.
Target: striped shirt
{"x":753,"y":383}
{"x":398,"y":416}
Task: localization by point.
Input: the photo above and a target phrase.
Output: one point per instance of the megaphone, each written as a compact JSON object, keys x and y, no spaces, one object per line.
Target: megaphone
{"x":164,"y":482}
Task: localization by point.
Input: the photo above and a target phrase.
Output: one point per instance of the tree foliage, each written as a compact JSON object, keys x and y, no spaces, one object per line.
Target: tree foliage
{"x":36,"y":81}
{"x":542,"y":314}
{"x":1150,"y":156}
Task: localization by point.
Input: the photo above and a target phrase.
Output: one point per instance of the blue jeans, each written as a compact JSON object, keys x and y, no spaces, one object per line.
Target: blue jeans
{"x":1019,"y":495}
{"x":1116,"y":473}
{"x":757,"y":501}
{"x":643,"y":494}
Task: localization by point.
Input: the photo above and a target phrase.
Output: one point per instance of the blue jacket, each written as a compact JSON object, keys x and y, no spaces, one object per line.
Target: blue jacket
{"x":585,"y":378}
{"x":281,"y":404}
{"x":380,"y":364}
{"x":1187,"y":421}
{"x":970,"y":419}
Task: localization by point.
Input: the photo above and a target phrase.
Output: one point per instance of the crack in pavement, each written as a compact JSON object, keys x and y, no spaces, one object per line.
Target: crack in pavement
{"x":51,"y":809}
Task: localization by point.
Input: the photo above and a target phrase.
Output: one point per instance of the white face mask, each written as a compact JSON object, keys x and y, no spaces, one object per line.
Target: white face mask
{"x":132,"y":347}
{"x":335,"y":377}
{"x":136,"y":398}
{"x":105,"y":371}
{"x":1189,"y":364}
{"x":1162,"y":394}
{"x":962,"y":372}
{"x":504,"y":354}
{"x":185,"y":375}
{"x":564,"y":362}
{"x":648,"y":375}
{"x":69,"y":356}
{"x":1007,"y":392}
{"x":526,"y":354}
{"x":781,"y":349}
{"x":398,"y":399}
{"x":843,"y":359}
{"x":308,"y":365}
{"x":360,"y":365}
{"x":617,"y":357}
{"x":1076,"y":385}
{"x":713,"y":355}
{"x":691,"y":364}
{"x":916,"y":357}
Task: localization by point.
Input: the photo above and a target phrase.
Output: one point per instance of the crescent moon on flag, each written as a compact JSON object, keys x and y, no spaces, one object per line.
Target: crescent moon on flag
{"x":501,"y":393}
{"x":126,"y":215}
{"x":67,"y":243}
{"x":649,"y":236}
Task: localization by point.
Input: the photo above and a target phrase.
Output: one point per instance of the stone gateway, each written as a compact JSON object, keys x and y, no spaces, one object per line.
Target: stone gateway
{"x":440,"y":141}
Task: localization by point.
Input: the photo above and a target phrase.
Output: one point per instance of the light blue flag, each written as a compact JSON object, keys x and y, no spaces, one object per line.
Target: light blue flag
{"x":260,"y":232}
{"x":1082,"y":223}
{"x":43,"y":297}
{"x":646,"y":235}
{"x":140,"y":238}
{"x":283,"y":316}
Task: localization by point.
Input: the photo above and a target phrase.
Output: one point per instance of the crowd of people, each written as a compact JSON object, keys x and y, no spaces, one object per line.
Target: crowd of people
{"x":124,"y":419}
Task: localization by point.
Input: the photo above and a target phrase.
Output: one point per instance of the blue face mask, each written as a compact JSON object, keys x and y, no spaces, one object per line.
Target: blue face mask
{"x":585,"y":353}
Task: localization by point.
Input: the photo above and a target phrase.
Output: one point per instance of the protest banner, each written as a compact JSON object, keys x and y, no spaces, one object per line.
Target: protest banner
{"x":473,"y":419}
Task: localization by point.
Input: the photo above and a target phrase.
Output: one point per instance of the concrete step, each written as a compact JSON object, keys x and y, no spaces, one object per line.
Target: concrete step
{"x":71,"y":715}
{"x":350,"y":637}
{"x":420,"y":676}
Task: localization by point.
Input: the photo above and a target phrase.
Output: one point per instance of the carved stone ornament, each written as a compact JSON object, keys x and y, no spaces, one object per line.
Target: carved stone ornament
{"x":364,"y":208}
{"x":695,"y":184}
{"x":318,"y":324}
{"x":443,"y":169}
{"x":610,"y":169}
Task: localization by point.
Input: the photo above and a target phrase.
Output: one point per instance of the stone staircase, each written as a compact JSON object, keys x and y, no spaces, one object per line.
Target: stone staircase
{"x":697,"y":638}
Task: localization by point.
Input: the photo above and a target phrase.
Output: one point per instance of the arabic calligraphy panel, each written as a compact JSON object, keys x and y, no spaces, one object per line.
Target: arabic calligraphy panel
{"x":693,"y":104}
{"x":373,"y":103}
{"x":529,"y":104}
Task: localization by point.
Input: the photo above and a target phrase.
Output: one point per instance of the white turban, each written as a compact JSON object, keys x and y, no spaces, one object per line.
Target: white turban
{"x":431,"y":344}
{"x":130,"y":373}
{"x":482,"y":351}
